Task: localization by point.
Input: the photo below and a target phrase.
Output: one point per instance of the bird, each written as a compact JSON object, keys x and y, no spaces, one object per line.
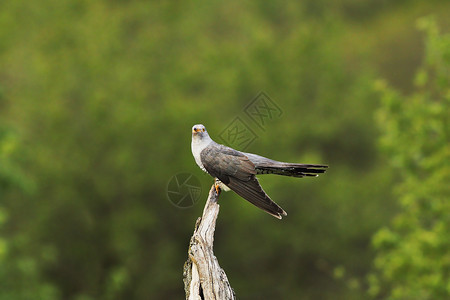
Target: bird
{"x":236,"y":170}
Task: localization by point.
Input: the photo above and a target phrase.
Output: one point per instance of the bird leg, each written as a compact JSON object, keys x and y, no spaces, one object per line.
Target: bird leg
{"x":217,"y":186}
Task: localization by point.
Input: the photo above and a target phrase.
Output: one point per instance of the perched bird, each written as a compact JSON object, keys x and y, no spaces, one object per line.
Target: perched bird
{"x":237,"y":170}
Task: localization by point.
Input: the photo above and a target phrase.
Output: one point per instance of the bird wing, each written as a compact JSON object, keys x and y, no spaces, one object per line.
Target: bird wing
{"x":253,"y":192}
{"x":236,"y":171}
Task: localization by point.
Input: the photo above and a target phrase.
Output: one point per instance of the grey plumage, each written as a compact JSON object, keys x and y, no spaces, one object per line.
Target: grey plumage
{"x":266,"y":165}
{"x":238,"y":170}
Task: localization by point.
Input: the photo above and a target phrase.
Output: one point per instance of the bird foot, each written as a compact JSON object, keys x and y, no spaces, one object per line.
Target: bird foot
{"x":217,"y":187}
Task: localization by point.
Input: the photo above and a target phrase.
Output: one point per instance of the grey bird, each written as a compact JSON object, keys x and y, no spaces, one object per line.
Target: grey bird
{"x":237,"y":170}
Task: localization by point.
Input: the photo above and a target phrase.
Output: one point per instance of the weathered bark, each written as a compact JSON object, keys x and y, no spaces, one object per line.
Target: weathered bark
{"x":203,"y":277}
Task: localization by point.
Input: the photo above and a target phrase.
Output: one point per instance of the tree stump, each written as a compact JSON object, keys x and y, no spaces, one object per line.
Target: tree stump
{"x":202,"y":276}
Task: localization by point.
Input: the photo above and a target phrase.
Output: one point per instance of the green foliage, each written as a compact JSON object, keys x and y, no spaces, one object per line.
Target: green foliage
{"x":413,"y":254}
{"x":9,"y":174}
{"x":100,"y":97}
{"x":20,"y":277}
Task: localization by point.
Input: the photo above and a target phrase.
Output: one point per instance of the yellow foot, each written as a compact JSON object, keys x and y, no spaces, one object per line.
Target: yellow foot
{"x":217,"y":187}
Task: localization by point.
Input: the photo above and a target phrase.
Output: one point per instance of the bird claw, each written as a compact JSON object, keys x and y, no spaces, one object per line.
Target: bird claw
{"x":217,"y":186}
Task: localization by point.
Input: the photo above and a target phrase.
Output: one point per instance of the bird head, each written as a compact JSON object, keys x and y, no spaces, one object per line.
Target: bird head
{"x":199,"y":132}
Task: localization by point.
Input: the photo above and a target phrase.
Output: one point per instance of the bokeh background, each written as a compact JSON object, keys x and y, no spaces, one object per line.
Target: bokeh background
{"x":97,"y":101}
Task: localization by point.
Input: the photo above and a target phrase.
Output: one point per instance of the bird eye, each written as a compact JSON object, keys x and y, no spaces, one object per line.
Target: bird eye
{"x":203,"y":129}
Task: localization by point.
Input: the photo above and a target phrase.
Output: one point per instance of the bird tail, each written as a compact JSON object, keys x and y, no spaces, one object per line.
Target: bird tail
{"x":291,"y":169}
{"x":265,"y":165}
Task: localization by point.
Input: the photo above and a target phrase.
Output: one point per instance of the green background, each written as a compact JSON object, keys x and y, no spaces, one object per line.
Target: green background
{"x":97,"y":101}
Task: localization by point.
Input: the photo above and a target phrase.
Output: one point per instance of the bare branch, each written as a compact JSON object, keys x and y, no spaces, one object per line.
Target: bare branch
{"x":203,"y":277}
